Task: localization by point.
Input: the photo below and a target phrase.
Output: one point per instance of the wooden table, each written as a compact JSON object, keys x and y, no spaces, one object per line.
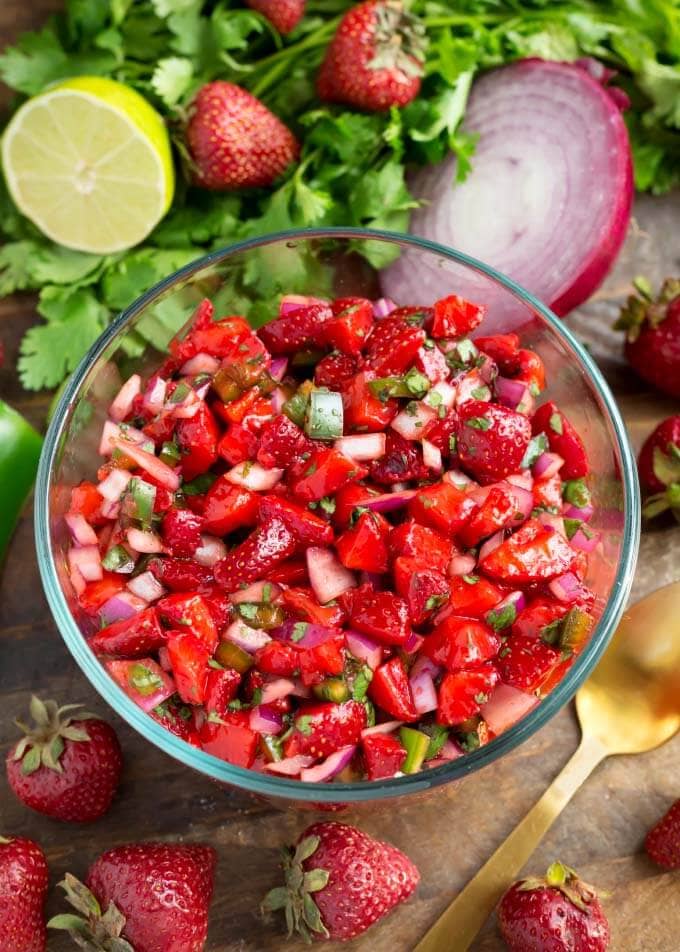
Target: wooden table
{"x":450,"y":836}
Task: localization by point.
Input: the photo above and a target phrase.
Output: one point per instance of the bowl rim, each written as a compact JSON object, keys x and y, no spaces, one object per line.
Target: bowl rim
{"x":269,"y":785}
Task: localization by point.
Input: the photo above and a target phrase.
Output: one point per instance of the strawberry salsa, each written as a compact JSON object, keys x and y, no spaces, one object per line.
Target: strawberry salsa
{"x":350,"y":544}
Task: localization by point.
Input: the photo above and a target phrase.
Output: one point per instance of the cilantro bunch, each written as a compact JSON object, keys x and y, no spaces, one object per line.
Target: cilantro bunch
{"x":353,"y":165}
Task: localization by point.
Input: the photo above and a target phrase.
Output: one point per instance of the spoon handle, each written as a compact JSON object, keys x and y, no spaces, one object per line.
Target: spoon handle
{"x":459,"y":924}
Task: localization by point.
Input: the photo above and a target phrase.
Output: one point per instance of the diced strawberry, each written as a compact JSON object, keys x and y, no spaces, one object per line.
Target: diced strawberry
{"x":402,"y":461}
{"x":291,"y":572}
{"x":563,"y":440}
{"x":143,"y":680}
{"x":189,"y":657}
{"x":349,"y":327}
{"x":278,"y":658}
{"x":416,"y":315}
{"x":181,"y":531}
{"x":252,"y":559}
{"x":460,"y":642}
{"x":228,"y":507}
{"x":474,"y":595}
{"x":503,"y":350}
{"x":496,"y":512}
{"x":301,"y":603}
{"x":221,"y":688}
{"x":197,"y":438}
{"x":214,"y":338}
{"x":537,"y":616}
{"x":246,"y":361}
{"x":306,"y":526}
{"x":251,"y":404}
{"x":218,"y":604}
{"x":161,"y":428}
{"x":393,"y":346}
{"x":321,"y":729}
{"x":532,"y":554}
{"x":461,"y":694}
{"x":364,"y":546}
{"x":548,"y":493}
{"x":177,"y":719}
{"x":348,"y":499}
{"x":190,"y":612}
{"x":425,"y":589}
{"x":235,"y":743}
{"x":180,"y":575}
{"x":380,"y":615}
{"x":96,"y":594}
{"x":443,"y":434}
{"x":363,"y":411}
{"x":299,"y":328}
{"x":531,"y":370}
{"x":132,"y":637}
{"x":455,"y":317}
{"x":525,"y":663}
{"x":425,"y":545}
{"x":323,"y":474}
{"x":443,"y":507}
{"x":492,"y":440}
{"x":335,"y":370}
{"x":391,"y":692}
{"x":237,"y":445}
{"x":322,"y":661}
{"x":383,"y":756}
{"x":432,"y":362}
{"x":86,"y":501}
{"x":281,"y":443}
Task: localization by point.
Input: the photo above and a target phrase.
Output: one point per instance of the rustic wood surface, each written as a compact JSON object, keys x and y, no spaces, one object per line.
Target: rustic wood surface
{"x":448,"y":836}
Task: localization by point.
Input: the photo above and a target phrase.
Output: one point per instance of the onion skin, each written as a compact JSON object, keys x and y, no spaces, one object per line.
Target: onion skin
{"x":523,"y":111}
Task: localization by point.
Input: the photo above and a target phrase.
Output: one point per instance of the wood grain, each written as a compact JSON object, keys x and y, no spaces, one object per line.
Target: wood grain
{"x":448,"y":836}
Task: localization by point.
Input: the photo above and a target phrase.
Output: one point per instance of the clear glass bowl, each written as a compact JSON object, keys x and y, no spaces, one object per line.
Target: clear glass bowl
{"x":248,"y":278}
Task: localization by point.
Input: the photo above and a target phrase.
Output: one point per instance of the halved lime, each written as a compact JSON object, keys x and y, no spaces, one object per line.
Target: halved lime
{"x":89,"y":162}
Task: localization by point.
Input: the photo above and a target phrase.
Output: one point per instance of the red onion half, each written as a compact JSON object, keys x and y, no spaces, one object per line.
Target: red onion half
{"x":548,"y":199}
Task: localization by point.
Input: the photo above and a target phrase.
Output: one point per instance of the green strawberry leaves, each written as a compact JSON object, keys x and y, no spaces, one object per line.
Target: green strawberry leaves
{"x":295,"y":898}
{"x":43,"y":743}
{"x":91,"y":930}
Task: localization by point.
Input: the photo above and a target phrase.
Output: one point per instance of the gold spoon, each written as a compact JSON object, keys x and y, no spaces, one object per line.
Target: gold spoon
{"x":630,"y":704}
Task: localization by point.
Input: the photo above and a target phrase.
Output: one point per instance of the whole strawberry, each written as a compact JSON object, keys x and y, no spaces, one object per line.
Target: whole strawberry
{"x":235,"y":141}
{"x":663,"y":840}
{"x":659,"y":469}
{"x":653,"y":335}
{"x":145,"y":897}
{"x":558,"y":913}
{"x":282,"y":14}
{"x":23,"y":886}
{"x":375,"y":60}
{"x":67,"y":765}
{"x":339,"y":881}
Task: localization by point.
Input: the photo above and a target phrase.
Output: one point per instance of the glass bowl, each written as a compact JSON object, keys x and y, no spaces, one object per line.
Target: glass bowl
{"x":248,"y":278}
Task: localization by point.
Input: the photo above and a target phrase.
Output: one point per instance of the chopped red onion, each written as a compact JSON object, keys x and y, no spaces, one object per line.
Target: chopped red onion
{"x":412,"y":426}
{"x":446,"y":391}
{"x":300,"y":689}
{"x":119,"y":606}
{"x":201,"y":363}
{"x":458,"y":479}
{"x":363,"y":649}
{"x":468,"y":387}
{"x":114,"y":434}
{"x":385,"y":728}
{"x":383,"y":307}
{"x":77,"y":581}
{"x":450,"y":751}
{"x":413,"y":643}
{"x":80,"y":528}
{"x":329,"y":767}
{"x":556,"y":523}
{"x":488,"y":369}
{"x":278,"y":368}
{"x":462,"y":565}
{"x":432,"y":456}
{"x":87,"y":561}
{"x":547,"y":465}
{"x":276,"y":690}
{"x":290,"y":766}
{"x":154,"y":395}
{"x":164,"y":659}
{"x":210,"y":550}
{"x":524,"y":502}
{"x":257,"y":592}
{"x":278,"y":399}
{"x":143,"y":540}
{"x":363,"y":446}
{"x":247,"y":638}
{"x":265,"y":720}
{"x":388,"y":502}
{"x":567,"y":588}
{"x":120,"y":672}
{"x":425,"y":664}
{"x":522,"y":480}
{"x":147,"y":461}
{"x":254,"y":477}
{"x":327,"y":575}
{"x":584,"y":513}
{"x":424,"y":692}
{"x":115,"y":484}
{"x":583,"y":542}
{"x":506,"y":706}
{"x":490,"y":545}
{"x":510,"y":392}
{"x":146,"y":586}
{"x":293,"y":302}
{"x":122,"y":405}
